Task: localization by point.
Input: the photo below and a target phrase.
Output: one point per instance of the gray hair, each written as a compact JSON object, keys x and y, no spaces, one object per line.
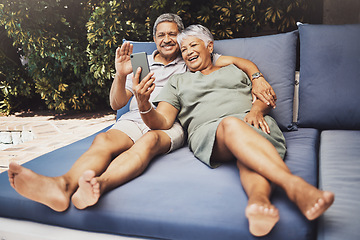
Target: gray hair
{"x":198,"y":31}
{"x":169,"y":17}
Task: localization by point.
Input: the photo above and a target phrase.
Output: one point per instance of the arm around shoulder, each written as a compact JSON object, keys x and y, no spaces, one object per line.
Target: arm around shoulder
{"x":261,"y":89}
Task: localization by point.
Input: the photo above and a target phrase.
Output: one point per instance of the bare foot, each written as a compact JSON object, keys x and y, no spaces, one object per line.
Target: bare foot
{"x":311,"y":201}
{"x":322,"y":204}
{"x":39,"y":188}
{"x":88,"y":192}
{"x":262,"y":218}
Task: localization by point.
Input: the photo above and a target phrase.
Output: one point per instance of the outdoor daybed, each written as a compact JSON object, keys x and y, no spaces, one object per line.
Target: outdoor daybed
{"x":178,"y":197}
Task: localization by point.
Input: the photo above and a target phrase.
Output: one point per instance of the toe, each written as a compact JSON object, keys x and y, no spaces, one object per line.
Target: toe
{"x":88,"y":175}
{"x":14,"y":167}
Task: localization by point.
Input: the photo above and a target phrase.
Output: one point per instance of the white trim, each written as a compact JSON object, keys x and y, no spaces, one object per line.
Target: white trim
{"x":11,"y":229}
{"x":296,"y":97}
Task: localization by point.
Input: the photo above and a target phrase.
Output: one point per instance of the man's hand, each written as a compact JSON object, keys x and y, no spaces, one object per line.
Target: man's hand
{"x":122,"y":59}
{"x":262,"y":90}
{"x":256,"y":119}
{"x":142,"y":89}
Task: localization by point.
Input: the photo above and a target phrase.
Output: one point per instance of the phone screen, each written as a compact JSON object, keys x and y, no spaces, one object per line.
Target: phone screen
{"x":140,"y":60}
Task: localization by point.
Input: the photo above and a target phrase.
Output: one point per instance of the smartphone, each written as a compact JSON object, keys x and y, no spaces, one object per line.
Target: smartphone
{"x":140,"y":60}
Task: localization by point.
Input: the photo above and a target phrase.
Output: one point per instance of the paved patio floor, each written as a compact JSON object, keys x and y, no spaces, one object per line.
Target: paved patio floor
{"x":51,"y":131}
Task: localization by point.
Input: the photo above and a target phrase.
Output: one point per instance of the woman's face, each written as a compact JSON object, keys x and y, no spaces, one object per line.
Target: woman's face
{"x":195,"y":54}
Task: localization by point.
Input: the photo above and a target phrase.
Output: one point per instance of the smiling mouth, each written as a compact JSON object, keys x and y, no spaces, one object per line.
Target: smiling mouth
{"x":193,"y":58}
{"x":168,"y":45}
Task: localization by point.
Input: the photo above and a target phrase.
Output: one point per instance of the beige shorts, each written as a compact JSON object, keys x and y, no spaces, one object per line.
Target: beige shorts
{"x":136,"y":130}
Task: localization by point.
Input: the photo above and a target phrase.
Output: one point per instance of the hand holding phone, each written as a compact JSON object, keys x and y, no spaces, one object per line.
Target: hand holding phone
{"x":140,"y":60}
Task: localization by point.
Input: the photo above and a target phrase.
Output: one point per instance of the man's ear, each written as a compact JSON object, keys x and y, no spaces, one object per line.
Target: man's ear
{"x":210,"y":47}
{"x":154,"y":38}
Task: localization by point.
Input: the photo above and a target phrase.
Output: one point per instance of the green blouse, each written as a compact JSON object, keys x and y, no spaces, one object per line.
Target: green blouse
{"x":204,"y":100}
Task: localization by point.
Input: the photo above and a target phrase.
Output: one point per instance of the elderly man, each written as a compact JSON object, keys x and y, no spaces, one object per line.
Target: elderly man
{"x":124,"y":151}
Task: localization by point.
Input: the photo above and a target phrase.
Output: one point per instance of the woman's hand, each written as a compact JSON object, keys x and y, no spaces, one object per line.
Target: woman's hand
{"x":164,"y":115}
{"x":262,"y":90}
{"x":143,"y":89}
{"x":256,"y":119}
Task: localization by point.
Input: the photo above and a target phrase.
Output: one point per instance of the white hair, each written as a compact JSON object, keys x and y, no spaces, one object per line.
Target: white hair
{"x":198,"y":31}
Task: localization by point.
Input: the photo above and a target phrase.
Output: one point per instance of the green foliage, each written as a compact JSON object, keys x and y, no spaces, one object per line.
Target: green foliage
{"x":52,"y":36}
{"x":13,"y":84}
{"x":109,"y":23}
{"x":12,"y":75}
{"x":69,"y":45}
{"x":241,"y":18}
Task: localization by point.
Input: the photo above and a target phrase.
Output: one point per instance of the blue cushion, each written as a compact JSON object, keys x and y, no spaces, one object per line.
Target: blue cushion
{"x":275,"y":56}
{"x":329,"y":76}
{"x":339,"y":172}
{"x":148,"y":47}
{"x":177,"y":197}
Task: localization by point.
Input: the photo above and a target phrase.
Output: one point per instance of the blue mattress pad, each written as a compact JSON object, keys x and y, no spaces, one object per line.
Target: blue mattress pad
{"x":177,"y":197}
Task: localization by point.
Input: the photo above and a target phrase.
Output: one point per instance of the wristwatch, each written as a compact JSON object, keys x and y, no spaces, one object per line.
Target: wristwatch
{"x":256,"y":76}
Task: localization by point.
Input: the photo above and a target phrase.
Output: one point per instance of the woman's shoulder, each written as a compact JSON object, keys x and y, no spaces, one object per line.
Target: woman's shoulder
{"x":232,"y":68}
{"x":178,"y":79}
{"x":235,"y":72}
{"x":180,"y":76}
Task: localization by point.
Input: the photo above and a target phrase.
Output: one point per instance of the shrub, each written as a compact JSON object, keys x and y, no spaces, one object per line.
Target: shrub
{"x":14,"y":81}
{"x":52,"y":36}
{"x":109,"y":23}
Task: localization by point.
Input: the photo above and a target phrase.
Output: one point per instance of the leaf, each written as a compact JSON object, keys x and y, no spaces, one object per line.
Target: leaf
{"x":62,"y":87}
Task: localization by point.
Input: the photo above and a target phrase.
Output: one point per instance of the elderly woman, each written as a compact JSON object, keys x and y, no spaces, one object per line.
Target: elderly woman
{"x":214,"y":106}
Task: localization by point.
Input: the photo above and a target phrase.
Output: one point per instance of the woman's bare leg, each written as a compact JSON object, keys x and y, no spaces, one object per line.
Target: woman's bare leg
{"x":55,"y":192}
{"x":236,"y":138}
{"x":262,"y":215}
{"x":122,"y":169}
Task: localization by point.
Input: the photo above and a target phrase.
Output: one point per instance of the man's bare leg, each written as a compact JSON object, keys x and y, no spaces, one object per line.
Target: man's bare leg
{"x":55,"y":192}
{"x":262,"y":215}
{"x":88,"y":193}
{"x":235,"y":138}
{"x":122,"y":169}
{"x":39,"y":188}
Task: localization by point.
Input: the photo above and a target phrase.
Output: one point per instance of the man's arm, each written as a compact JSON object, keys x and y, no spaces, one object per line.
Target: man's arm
{"x":119,"y":95}
{"x":261,"y":89}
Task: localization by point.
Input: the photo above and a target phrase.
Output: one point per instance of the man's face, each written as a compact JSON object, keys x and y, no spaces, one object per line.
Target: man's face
{"x":165,"y":39}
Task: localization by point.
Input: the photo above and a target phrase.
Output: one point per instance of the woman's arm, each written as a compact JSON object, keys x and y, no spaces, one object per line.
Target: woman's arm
{"x":163,"y":117}
{"x":261,"y":89}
